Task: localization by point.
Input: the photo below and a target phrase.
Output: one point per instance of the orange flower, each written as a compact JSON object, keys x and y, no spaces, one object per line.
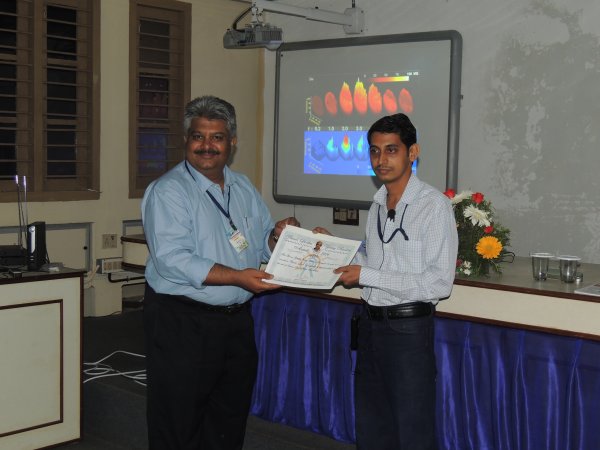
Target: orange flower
{"x":489,"y":247}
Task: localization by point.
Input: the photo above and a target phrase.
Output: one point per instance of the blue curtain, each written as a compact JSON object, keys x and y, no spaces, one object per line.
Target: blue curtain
{"x":305,"y":364}
{"x":498,"y":388}
{"x":502,"y":388}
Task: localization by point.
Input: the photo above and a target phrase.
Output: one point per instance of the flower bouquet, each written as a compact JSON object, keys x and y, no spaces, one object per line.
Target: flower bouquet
{"x":482,"y":241}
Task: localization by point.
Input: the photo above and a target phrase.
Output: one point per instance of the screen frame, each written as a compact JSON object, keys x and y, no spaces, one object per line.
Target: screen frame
{"x":455,"y":40}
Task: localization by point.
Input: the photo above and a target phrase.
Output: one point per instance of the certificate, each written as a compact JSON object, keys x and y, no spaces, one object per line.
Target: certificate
{"x":303,"y":259}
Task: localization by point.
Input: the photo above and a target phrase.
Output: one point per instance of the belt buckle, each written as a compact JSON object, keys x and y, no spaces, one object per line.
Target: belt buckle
{"x":236,"y":307}
{"x":232,"y":309}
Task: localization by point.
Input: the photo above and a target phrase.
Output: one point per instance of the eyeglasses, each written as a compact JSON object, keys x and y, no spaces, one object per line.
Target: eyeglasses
{"x":392,"y":216}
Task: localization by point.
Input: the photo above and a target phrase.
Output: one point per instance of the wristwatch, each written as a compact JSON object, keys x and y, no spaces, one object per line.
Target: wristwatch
{"x":275,"y":238}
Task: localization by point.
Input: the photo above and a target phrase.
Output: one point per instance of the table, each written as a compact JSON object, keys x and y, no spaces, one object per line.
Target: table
{"x":515,"y":299}
{"x":40,"y":350}
{"x":517,"y":379}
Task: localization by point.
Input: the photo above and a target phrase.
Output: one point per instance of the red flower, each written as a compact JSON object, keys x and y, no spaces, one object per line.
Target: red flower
{"x":450,"y":193}
{"x":477,"y":197}
{"x":488,"y":230}
{"x":458,"y":262}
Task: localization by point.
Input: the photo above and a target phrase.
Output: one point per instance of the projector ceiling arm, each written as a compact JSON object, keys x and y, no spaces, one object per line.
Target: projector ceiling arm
{"x":238,"y":18}
{"x":352,"y":18}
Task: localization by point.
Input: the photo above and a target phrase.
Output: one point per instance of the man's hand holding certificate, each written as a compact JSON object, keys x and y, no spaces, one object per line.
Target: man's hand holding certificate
{"x":303,"y":259}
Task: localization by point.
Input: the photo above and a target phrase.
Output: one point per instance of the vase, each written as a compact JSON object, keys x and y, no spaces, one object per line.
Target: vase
{"x":484,"y":268}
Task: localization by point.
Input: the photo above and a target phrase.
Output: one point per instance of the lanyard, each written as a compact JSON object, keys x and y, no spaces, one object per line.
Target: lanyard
{"x":225,"y":212}
{"x":400,"y":229}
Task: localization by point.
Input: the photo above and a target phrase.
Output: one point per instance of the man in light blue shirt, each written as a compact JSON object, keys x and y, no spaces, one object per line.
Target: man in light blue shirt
{"x":208,"y":230}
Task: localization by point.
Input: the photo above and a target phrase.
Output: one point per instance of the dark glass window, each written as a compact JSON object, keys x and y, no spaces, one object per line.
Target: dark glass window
{"x":48,"y":119}
{"x":161,"y":65}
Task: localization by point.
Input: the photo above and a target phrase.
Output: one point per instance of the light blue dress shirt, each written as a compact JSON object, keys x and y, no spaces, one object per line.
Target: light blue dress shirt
{"x":187,"y":233}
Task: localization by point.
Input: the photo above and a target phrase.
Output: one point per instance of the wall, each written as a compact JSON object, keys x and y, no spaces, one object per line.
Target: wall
{"x":214,"y":71}
{"x":230,"y":74}
{"x":529,"y":138}
{"x":529,"y":135}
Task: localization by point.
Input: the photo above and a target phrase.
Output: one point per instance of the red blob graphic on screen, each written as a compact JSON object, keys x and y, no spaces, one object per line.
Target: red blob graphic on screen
{"x":389,"y":102}
{"x":331,"y":104}
{"x":360,"y":98}
{"x":406,"y":101}
{"x":346,"y":142}
{"x":374,"y":99}
{"x":346,"y":99}
{"x":317,"y":106}
{"x":346,"y":150}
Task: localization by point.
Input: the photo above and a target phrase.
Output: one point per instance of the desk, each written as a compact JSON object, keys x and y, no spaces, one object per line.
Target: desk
{"x":513,"y":298}
{"x":40,"y":353}
{"x":135,"y":252}
{"x":523,"y":382}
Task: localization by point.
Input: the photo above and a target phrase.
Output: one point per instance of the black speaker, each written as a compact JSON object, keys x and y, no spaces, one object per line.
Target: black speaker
{"x":36,"y":245}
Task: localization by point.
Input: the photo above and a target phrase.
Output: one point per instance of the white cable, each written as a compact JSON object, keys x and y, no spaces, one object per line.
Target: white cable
{"x":90,"y":277}
{"x":114,"y":353}
{"x":99,"y":370}
{"x":137,"y":376}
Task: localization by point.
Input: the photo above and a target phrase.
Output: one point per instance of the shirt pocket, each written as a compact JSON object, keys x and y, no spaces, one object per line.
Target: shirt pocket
{"x":408,"y":256}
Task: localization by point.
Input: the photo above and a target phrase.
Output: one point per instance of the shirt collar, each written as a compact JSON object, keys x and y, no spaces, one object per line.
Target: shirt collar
{"x":408,"y":196}
{"x":204,"y":183}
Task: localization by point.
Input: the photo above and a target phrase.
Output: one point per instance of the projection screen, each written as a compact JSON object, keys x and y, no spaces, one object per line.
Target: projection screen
{"x":329,"y":92}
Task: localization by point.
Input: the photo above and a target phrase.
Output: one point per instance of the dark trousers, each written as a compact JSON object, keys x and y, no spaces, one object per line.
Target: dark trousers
{"x":395,"y":384}
{"x":201,"y":368}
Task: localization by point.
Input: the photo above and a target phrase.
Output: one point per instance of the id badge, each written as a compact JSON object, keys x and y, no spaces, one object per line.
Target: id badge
{"x":238,"y":241}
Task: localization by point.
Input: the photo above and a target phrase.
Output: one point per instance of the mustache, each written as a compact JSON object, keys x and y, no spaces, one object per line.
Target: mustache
{"x":210,"y":151}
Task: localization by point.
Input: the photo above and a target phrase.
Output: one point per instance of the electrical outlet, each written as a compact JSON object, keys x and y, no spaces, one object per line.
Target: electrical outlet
{"x":345,"y":216}
{"x":109,"y":241}
{"x":110,"y":265}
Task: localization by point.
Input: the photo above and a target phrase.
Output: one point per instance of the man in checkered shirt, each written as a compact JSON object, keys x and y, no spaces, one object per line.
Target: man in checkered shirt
{"x":408,"y":267}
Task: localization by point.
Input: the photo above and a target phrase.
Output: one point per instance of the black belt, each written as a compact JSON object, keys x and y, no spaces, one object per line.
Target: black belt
{"x":223,"y":309}
{"x":405,"y":311}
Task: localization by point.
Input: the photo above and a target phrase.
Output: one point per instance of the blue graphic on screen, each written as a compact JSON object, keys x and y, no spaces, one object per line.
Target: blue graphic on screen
{"x":338,"y":153}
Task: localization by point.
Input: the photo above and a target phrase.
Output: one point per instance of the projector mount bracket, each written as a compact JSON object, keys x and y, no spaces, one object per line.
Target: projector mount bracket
{"x":352,"y":19}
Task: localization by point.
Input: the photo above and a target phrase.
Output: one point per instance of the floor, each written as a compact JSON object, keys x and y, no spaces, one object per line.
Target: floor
{"x":114,"y":406}
{"x":260,"y":435}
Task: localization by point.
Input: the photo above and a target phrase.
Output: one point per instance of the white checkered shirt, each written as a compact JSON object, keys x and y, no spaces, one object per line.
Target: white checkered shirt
{"x":420,"y":268}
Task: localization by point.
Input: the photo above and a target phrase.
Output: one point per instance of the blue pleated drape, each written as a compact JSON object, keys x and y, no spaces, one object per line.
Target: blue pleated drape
{"x":498,"y":388}
{"x":506,"y":389}
{"x":305,"y":364}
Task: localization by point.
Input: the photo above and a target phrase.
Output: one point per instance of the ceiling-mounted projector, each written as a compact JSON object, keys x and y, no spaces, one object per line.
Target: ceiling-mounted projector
{"x":254,"y":35}
{"x":260,"y":34}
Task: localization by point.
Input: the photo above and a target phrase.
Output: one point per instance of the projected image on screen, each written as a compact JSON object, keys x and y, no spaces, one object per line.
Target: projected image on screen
{"x":329,"y":93}
{"x":335,"y":141}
